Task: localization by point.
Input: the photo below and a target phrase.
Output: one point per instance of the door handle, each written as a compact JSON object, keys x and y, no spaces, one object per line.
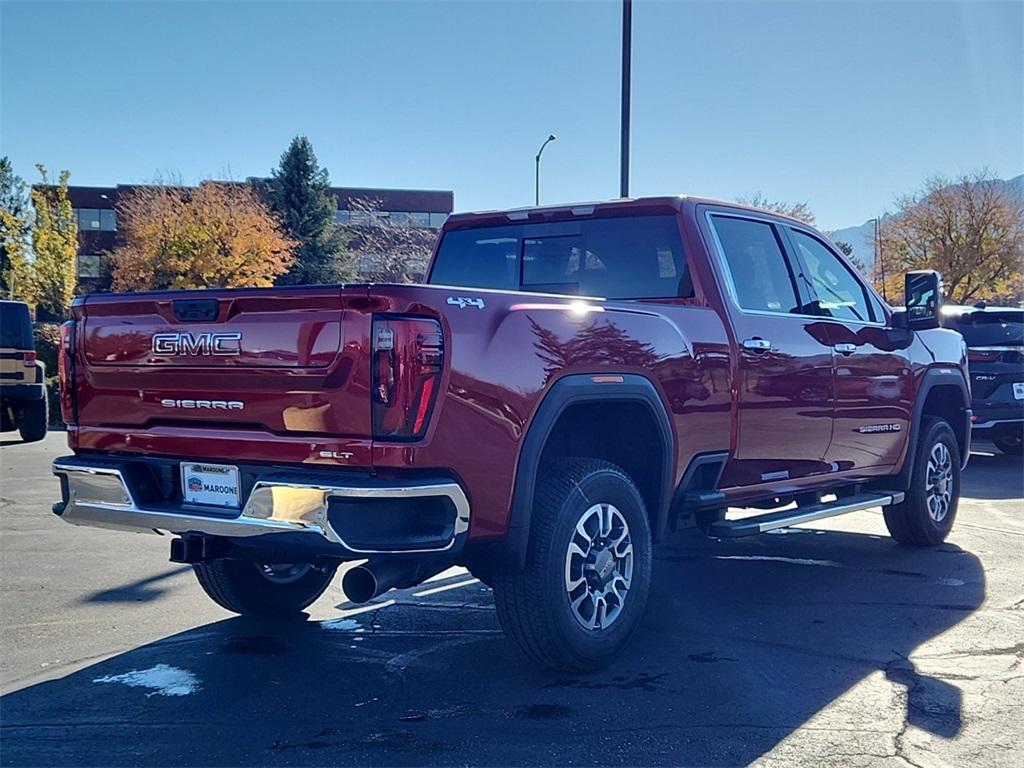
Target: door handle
{"x":845,"y":348}
{"x":757,"y":344}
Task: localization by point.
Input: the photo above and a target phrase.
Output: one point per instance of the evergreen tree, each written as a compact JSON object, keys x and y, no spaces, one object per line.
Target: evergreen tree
{"x":299,"y":193}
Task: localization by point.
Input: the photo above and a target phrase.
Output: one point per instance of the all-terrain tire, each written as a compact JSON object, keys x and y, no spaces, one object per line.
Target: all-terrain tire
{"x":34,"y":418}
{"x":534,"y":606}
{"x":926,"y":515}
{"x":242,"y":587}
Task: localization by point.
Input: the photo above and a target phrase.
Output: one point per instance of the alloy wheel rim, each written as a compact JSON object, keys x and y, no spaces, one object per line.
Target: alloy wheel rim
{"x":599,"y":567}
{"x":939,"y":479}
{"x":283,"y":573}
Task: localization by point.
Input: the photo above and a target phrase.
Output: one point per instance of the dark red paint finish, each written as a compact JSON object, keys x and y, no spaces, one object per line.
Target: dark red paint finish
{"x":789,"y":417}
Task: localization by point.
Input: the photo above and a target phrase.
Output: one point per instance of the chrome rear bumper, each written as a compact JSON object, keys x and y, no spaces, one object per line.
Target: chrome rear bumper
{"x":98,"y":495}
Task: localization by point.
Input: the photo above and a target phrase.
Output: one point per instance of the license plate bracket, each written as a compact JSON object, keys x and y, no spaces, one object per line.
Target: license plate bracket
{"x":210,"y":485}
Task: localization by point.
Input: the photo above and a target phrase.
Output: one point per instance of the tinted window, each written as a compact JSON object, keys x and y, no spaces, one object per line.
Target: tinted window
{"x":15,"y":327}
{"x":837,"y":292}
{"x":479,"y":258}
{"x":755,"y":261}
{"x":88,"y":218}
{"x":989,"y":329}
{"x":108,"y":220}
{"x":618,"y":258}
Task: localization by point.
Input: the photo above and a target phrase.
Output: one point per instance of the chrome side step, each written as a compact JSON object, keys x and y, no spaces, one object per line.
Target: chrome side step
{"x":751,"y":526}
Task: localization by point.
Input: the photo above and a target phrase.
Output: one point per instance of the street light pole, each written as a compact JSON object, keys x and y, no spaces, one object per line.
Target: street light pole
{"x":879,"y":264}
{"x":536,"y":175}
{"x":627,"y":47}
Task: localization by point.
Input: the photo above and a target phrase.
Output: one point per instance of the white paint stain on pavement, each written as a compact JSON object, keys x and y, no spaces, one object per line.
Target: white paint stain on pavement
{"x":952,"y":582}
{"x":775,"y":559}
{"x":163,"y":679}
{"x":341,"y":625}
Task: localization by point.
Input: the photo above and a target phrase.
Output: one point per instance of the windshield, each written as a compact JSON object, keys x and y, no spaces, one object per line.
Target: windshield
{"x":990,"y":329}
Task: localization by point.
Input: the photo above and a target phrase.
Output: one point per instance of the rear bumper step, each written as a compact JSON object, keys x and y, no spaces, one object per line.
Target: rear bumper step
{"x":342,"y":517}
{"x":751,"y":526}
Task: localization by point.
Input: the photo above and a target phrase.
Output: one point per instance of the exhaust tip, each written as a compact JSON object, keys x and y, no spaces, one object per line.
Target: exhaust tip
{"x":359,"y":584}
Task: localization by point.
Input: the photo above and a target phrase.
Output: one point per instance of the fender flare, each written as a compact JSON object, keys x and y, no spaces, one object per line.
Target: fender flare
{"x":576,"y":389}
{"x":934,"y":377}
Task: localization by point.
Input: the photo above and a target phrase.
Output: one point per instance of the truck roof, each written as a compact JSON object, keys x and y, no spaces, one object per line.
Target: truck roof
{"x":618,"y":206}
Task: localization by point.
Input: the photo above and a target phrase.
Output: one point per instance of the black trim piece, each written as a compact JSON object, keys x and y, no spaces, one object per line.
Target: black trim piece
{"x":933,"y":377}
{"x":195,"y":310}
{"x":12,"y":355}
{"x":510,"y":552}
{"x":699,"y":486}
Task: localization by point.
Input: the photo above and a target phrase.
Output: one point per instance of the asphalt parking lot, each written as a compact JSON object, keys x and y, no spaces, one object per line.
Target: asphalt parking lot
{"x":828,"y":645}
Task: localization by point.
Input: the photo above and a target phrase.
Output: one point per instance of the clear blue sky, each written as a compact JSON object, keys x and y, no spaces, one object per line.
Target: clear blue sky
{"x":843,"y":104}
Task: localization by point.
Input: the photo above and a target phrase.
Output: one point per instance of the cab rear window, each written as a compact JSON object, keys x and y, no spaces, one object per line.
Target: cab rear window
{"x":631,"y":257}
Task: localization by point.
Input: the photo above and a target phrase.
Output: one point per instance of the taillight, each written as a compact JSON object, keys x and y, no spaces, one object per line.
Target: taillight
{"x":30,"y":359}
{"x":983,"y":355}
{"x":66,"y":369}
{"x":408,"y":359}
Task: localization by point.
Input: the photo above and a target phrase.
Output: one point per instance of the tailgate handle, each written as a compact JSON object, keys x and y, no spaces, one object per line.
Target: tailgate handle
{"x":195,"y":310}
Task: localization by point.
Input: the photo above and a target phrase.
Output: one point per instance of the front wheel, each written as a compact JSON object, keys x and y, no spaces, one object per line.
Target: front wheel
{"x":926,"y":515}
{"x":588,"y":568}
{"x":256,"y":589}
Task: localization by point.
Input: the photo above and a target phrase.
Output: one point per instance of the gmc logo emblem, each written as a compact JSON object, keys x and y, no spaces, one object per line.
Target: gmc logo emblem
{"x":185,"y":344}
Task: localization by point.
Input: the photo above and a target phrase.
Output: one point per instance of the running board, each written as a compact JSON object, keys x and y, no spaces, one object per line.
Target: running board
{"x":751,"y":526}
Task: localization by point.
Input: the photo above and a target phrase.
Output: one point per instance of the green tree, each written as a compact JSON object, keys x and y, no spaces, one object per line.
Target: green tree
{"x":299,"y":193}
{"x":54,"y":245}
{"x":15,"y":229}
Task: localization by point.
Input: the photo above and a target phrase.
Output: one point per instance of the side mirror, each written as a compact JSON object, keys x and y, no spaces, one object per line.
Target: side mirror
{"x":922,"y":297}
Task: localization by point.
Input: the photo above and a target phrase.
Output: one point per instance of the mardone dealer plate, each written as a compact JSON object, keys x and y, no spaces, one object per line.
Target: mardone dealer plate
{"x":215,"y":485}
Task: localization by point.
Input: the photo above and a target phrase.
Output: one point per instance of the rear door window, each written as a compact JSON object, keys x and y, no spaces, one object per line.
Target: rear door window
{"x":758,"y":271}
{"x":632,"y":257}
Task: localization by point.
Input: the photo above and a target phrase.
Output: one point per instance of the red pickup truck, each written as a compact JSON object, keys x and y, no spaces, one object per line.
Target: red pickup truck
{"x":570,"y":383}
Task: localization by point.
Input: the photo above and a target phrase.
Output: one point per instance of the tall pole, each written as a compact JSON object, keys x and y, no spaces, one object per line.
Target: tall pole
{"x":627,"y":46}
{"x":536,"y":174}
{"x":879,"y":263}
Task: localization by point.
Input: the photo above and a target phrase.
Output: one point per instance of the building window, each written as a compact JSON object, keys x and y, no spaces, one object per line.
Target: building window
{"x":437,"y":219}
{"x":359,"y":218}
{"x":108,"y":220}
{"x":88,"y":218}
{"x":88,"y":265}
{"x":341,"y":217}
{"x":419,"y":219}
{"x":399,"y":218}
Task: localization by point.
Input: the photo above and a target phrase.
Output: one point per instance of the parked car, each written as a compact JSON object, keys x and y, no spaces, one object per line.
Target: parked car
{"x":23,"y":404}
{"x":995,"y":351}
{"x":571,"y":382}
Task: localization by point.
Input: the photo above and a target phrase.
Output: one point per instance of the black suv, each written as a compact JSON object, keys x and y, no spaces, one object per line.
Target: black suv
{"x":995,"y":351}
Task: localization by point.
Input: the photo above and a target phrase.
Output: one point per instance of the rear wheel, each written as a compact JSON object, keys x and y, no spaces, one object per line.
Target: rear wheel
{"x":257,"y":589}
{"x":926,"y":515}
{"x":32,"y":426}
{"x":1011,"y":444}
{"x":588,"y":568}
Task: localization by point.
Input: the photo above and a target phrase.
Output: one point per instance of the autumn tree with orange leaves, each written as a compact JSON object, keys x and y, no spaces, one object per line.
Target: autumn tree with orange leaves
{"x":218,"y":235}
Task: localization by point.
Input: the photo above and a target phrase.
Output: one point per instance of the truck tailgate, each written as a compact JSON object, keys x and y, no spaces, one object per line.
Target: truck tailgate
{"x":289,"y":360}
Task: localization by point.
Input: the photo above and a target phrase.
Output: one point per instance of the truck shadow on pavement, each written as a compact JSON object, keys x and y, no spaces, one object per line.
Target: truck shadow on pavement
{"x":743,"y":643}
